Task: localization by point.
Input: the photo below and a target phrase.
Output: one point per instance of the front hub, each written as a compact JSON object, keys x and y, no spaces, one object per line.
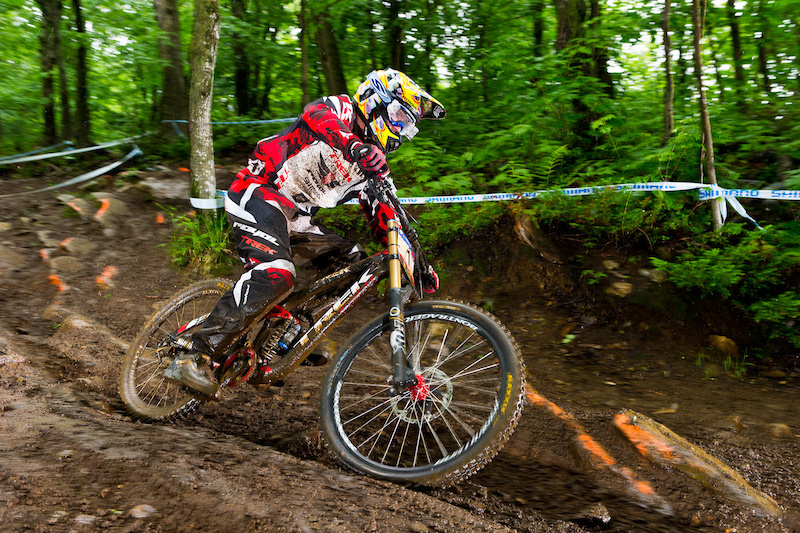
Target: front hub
{"x":421,"y":390}
{"x":425,"y":401}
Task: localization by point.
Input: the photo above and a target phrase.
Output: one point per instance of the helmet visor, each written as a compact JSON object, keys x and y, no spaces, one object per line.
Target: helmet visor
{"x":400,"y":120}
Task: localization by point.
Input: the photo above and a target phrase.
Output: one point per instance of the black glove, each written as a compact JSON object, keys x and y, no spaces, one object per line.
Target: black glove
{"x":430,"y":280}
{"x":372,"y":160}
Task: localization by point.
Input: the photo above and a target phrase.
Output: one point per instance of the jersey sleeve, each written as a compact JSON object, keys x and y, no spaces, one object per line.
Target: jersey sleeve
{"x":331,"y":119}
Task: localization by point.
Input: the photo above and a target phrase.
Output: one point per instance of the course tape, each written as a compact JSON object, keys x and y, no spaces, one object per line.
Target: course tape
{"x":85,"y":177}
{"x":707,"y":192}
{"x":69,"y":152}
{"x":40,"y":150}
{"x":725,"y":197}
{"x":209,"y":203}
{"x":267,"y":121}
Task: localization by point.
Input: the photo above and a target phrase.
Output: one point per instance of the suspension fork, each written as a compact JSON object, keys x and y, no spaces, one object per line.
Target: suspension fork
{"x":402,"y":375}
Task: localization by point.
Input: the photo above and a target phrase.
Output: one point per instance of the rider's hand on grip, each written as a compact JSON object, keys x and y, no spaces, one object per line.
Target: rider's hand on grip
{"x":372,"y":161}
{"x":430,"y":280}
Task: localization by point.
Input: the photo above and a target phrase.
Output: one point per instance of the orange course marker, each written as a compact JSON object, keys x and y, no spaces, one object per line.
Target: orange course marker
{"x":104,"y":280}
{"x":159,"y":218}
{"x":104,"y":204}
{"x":55,"y":280}
{"x":647,"y":443}
{"x":44,"y":253}
{"x":598,"y":455}
{"x":75,"y":206}
{"x":184,"y":169}
{"x":663,"y":446}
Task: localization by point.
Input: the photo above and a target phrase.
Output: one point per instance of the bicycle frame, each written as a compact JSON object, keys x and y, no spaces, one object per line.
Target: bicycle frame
{"x":356,"y":280}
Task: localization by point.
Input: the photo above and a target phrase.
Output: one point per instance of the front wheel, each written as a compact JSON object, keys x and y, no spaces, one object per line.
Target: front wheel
{"x":147,"y":394}
{"x":463,"y":409}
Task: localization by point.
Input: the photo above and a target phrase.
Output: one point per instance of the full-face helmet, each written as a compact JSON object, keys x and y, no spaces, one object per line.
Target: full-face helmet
{"x":391,"y":104}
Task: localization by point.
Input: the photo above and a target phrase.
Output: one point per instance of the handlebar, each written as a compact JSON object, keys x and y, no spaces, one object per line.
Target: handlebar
{"x":379,"y":185}
{"x":385,"y":193}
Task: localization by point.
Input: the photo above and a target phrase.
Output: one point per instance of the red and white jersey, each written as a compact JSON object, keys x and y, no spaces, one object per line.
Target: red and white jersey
{"x":310,"y":162}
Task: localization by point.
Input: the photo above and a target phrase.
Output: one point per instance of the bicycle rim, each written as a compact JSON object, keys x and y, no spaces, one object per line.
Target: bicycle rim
{"x":145,"y":391}
{"x":453,"y":421}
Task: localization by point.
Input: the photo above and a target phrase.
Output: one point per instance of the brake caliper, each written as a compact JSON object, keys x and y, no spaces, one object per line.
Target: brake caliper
{"x":421,"y":390}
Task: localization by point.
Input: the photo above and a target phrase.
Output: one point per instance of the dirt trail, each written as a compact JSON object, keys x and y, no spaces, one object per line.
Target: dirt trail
{"x":72,"y":460}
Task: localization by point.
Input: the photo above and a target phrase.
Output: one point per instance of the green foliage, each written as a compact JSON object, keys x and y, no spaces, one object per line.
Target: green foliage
{"x":750,"y":269}
{"x":593,"y":277}
{"x":736,"y":368}
{"x":201,"y":241}
{"x":621,"y":217}
{"x":780,"y":313}
{"x":522,"y":115}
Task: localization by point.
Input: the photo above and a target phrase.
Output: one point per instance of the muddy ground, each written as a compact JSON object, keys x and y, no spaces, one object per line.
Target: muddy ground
{"x":71,"y":459}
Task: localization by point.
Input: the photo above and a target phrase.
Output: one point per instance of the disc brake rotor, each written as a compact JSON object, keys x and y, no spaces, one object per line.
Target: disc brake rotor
{"x":425,"y":401}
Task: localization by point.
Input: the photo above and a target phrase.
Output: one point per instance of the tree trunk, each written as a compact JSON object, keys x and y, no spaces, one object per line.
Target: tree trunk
{"x":797,"y":54}
{"x":669,"y":89}
{"x":797,"y":75}
{"x":599,"y":64}
{"x":203,"y":57}
{"x":583,"y":56}
{"x":397,"y":56}
{"x":82,"y":119}
{"x":425,"y":71}
{"x":736,"y":43}
{"x":481,"y":45}
{"x":571,"y":15}
{"x":51,"y":18}
{"x":264,"y":104}
{"x":241,"y":61}
{"x":174,"y":104}
{"x":262,"y":68}
{"x":63,"y":88}
{"x":708,"y":143}
{"x":538,"y":27}
{"x":715,"y":59}
{"x":329,"y":56}
{"x":681,"y":68}
{"x":373,"y":41}
{"x":306,"y":97}
{"x":763,"y":65}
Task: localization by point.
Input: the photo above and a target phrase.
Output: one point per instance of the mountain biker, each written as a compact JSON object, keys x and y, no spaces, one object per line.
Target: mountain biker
{"x":322,"y":160}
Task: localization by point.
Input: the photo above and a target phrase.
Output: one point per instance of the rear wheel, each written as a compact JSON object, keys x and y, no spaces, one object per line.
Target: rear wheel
{"x":147,"y":394}
{"x":451,"y":423}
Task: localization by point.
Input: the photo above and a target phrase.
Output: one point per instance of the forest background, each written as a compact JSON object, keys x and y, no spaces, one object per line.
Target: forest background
{"x":541,"y":94}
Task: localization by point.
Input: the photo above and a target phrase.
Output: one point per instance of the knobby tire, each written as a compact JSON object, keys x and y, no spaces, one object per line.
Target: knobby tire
{"x":147,"y":394}
{"x":447,"y":428}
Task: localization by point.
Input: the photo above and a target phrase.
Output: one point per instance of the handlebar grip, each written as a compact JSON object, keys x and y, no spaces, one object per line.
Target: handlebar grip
{"x":361,"y":151}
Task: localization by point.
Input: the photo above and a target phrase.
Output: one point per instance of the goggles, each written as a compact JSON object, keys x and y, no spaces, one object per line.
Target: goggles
{"x":401,"y":120}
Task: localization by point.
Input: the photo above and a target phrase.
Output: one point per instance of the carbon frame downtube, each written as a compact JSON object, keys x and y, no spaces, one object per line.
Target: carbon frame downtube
{"x":402,"y":376}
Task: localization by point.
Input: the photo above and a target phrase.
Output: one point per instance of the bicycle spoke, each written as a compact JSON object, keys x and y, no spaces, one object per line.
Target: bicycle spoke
{"x":361,"y":399}
{"x":449,"y":427}
{"x":365,"y":424}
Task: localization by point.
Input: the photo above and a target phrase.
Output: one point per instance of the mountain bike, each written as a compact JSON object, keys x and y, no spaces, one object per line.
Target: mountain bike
{"x":426,"y":393}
